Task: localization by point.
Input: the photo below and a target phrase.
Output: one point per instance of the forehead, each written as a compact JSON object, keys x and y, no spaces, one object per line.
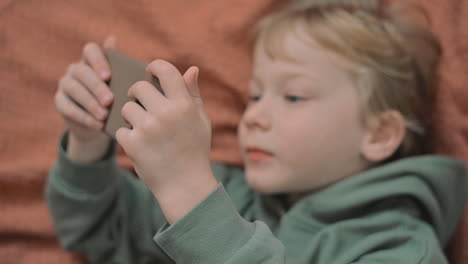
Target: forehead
{"x":290,"y":47}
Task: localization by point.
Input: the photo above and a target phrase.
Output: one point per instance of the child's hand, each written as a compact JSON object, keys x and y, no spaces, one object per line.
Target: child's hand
{"x":82,"y":96}
{"x":169,"y":142}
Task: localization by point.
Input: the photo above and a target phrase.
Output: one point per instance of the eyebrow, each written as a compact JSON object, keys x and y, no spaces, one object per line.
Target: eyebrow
{"x":284,"y":79}
{"x":288,"y":77}
{"x":305,"y":84}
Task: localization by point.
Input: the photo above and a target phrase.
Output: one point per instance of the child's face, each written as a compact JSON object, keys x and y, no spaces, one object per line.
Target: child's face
{"x":305,"y":114}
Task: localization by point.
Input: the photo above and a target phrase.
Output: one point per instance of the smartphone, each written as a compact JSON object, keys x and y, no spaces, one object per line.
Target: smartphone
{"x":125,"y":71}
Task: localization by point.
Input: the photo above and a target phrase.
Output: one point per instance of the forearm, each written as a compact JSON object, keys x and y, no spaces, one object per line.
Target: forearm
{"x":87,"y":151}
{"x":95,"y":207}
{"x":79,"y":191}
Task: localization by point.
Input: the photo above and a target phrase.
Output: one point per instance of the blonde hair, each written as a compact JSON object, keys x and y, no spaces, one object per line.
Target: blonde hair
{"x":393,"y":53}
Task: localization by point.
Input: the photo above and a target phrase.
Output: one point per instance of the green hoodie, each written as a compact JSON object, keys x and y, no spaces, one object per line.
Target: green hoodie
{"x":402,"y":212}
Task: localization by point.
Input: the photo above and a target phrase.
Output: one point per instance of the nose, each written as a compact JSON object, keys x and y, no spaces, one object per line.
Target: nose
{"x":257,"y":115}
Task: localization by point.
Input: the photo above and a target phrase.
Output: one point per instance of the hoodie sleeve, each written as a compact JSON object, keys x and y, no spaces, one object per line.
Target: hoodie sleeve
{"x":214,"y":232}
{"x":90,"y":206}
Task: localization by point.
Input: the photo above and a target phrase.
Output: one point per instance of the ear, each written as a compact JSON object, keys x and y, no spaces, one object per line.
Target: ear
{"x":384,"y":135}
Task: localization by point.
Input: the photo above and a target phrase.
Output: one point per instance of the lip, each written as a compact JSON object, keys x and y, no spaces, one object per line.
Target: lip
{"x":258,"y":154}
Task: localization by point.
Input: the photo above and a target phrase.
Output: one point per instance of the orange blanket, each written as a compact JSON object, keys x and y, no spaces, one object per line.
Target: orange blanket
{"x":38,"y":39}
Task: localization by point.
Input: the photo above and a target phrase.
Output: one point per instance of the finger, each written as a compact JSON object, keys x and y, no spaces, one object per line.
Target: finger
{"x":110,"y":42}
{"x":71,"y":111}
{"x":170,"y":78}
{"x":89,"y":79}
{"x":122,"y":136}
{"x":191,"y":80}
{"x":148,"y":95}
{"x":83,"y":97}
{"x":94,"y":56}
{"x":133,"y":114}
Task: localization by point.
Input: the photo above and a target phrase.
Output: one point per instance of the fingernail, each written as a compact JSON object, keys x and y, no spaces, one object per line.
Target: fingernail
{"x":106,"y":99}
{"x":105,"y":75}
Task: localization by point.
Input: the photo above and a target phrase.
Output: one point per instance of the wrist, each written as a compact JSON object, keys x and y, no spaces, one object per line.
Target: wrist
{"x":87,"y":151}
{"x":178,"y":200}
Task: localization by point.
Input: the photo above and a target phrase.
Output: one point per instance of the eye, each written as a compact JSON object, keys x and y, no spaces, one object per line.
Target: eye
{"x":254,"y":98}
{"x":293,"y":98}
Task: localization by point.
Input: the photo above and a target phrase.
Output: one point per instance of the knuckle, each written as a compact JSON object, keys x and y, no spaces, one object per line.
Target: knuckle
{"x":102,"y":64}
{"x":71,"y":90}
{"x":165,"y":66}
{"x":148,"y":124}
{"x":89,"y":47}
{"x":93,"y":106}
{"x":119,"y":135}
{"x":124,"y":138}
{"x":132,"y":88}
{"x":162,"y":66}
{"x":140,"y":85}
{"x":77,"y":70}
{"x":96,"y":85}
{"x":137,"y":87}
{"x":87,"y":120}
{"x":72,"y":68}
{"x":165,"y":114}
{"x":68,"y":85}
{"x":125,"y":108}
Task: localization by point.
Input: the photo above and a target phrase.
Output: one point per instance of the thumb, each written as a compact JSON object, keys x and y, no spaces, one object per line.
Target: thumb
{"x":191,"y":81}
{"x":110,"y":42}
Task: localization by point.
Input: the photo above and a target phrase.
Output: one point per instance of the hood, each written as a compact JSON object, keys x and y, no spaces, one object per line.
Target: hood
{"x":436,"y":186}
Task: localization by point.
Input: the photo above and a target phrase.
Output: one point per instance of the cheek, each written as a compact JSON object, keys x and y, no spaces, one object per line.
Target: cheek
{"x":241,"y":133}
{"x":241,"y":139}
{"x":327,"y":135}
{"x":340,"y":119}
{"x":296,"y":139}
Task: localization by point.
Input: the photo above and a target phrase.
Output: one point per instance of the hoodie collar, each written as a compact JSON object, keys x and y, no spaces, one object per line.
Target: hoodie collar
{"x":434,"y":185}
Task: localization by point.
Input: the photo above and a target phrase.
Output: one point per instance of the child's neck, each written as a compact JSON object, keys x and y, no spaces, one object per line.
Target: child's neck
{"x":291,"y":199}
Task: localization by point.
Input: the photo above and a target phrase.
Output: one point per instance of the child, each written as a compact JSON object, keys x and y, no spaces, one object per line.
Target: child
{"x":333,"y":141}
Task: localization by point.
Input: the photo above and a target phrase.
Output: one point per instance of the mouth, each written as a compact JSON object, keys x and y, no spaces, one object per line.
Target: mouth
{"x":258,"y":154}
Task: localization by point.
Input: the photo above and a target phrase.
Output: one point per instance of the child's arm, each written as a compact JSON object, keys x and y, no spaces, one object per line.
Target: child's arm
{"x":89,"y":204}
{"x":101,"y":211}
{"x":169,"y":144}
{"x":82,"y":99}
{"x":214,"y":232}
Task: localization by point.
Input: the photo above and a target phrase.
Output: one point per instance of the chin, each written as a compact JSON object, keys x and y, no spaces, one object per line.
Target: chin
{"x":262,"y":185}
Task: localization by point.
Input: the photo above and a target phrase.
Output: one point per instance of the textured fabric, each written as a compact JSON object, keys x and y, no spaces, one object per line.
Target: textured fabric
{"x":38,"y":39}
{"x":402,"y":212}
